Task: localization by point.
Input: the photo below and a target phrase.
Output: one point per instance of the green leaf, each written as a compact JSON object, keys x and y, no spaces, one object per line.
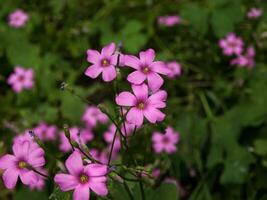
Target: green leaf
{"x":25,"y":193}
{"x":261,"y":147}
{"x":59,"y":195}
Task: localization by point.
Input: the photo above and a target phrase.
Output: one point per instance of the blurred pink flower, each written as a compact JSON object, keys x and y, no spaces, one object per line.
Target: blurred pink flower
{"x":246,"y":60}
{"x":21,"y":79}
{"x":18,"y":18}
{"x":45,"y":132}
{"x":175,"y":69}
{"x":82,"y":179}
{"x":103,"y":62}
{"x":254,"y":13}
{"x":17,"y":165}
{"x":109,"y":135}
{"x":231,"y":44}
{"x":143,"y":105}
{"x":92,"y":115}
{"x":40,"y":184}
{"x":165,"y":142}
{"x":169,"y":20}
{"x":102,"y":156}
{"x":80,"y":136}
{"x":146,"y":69}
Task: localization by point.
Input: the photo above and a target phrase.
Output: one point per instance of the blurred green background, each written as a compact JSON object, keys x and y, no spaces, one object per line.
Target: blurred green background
{"x":219,"y":110}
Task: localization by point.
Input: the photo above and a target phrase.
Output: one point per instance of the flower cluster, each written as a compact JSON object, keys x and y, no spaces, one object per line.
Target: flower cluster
{"x":21,"y":79}
{"x":233,"y":45}
{"x":169,"y":20}
{"x":18,"y":18}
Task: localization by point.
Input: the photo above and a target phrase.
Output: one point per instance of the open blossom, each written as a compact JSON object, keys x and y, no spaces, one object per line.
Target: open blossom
{"x":146,"y":69}
{"x":254,"y":13}
{"x":80,"y":136}
{"x":45,"y":132}
{"x":103,"y":62}
{"x":165,"y":142}
{"x":93,"y":115}
{"x":82,"y":179}
{"x":141,"y":105}
{"x":175,"y":69}
{"x":231,"y":44}
{"x":169,"y":20}
{"x":21,"y":79}
{"x":246,"y":60}
{"x":18,"y":18}
{"x":25,"y":156}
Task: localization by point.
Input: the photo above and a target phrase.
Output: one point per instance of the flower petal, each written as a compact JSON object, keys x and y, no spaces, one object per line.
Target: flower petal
{"x":140,"y":91}
{"x":28,"y":177}
{"x":135,"y":116}
{"x":160,"y":67}
{"x":147,"y":56}
{"x":66,"y":182}
{"x":96,"y":170}
{"x":136,"y":77}
{"x":126,"y":99}
{"x":21,"y":149}
{"x":108,"y":50}
{"x":109,"y":73}
{"x":99,"y":188}
{"x":81,"y":193}
{"x":157,"y":99}
{"x":132,"y":61}
{"x":153,"y":115}
{"x":93,"y":56}
{"x":74,"y":163}
{"x":93,"y":71}
{"x":10,"y":177}
{"x":154,"y":81}
{"x":7,"y":161}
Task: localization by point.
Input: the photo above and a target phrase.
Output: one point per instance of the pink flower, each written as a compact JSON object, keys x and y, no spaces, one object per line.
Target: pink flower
{"x":18,"y":18}
{"x":146,"y":69}
{"x":21,"y":79}
{"x":82,"y":178}
{"x":246,"y":60}
{"x":109,"y":135}
{"x":92,"y":115}
{"x":103,"y":62}
{"x":143,"y":105}
{"x":45,"y":132}
{"x":80,"y":136}
{"x":18,"y":165}
{"x":169,"y":20}
{"x":175,"y":69}
{"x":254,"y":13}
{"x":102,"y":156}
{"x":231,"y":44}
{"x":165,"y":142}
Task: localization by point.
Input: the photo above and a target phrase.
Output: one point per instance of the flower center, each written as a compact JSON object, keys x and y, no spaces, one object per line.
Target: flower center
{"x":84,"y":178}
{"x":145,"y":70}
{"x":165,"y":140}
{"x":22,"y":164}
{"x":141,"y":105}
{"x":105,"y":63}
{"x":21,"y":78}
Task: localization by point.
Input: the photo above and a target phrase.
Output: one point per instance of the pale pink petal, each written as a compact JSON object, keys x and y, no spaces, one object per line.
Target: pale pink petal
{"x":140,"y":91}
{"x":28,"y":177}
{"x":93,"y":71}
{"x":153,"y":115}
{"x":21,"y":149}
{"x":156,"y":137}
{"x":66,"y":182}
{"x":159,"y":67}
{"x":126,"y":99}
{"x":147,"y":56}
{"x":132,"y":61}
{"x":158,"y":99}
{"x":109,"y":73}
{"x":136,"y":77}
{"x":7,"y":161}
{"x":109,"y":49}
{"x":10,"y":177}
{"x":81,"y":192}
{"x":96,"y":170}
{"x":135,"y":116}
{"x":74,"y":163}
{"x":99,"y":188}
{"x":93,"y":56}
{"x":154,"y":81}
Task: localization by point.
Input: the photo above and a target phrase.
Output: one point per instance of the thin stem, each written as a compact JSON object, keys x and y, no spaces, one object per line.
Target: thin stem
{"x":41,"y":174}
{"x":128,"y":190}
{"x":112,"y":146}
{"x":142,"y":190}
